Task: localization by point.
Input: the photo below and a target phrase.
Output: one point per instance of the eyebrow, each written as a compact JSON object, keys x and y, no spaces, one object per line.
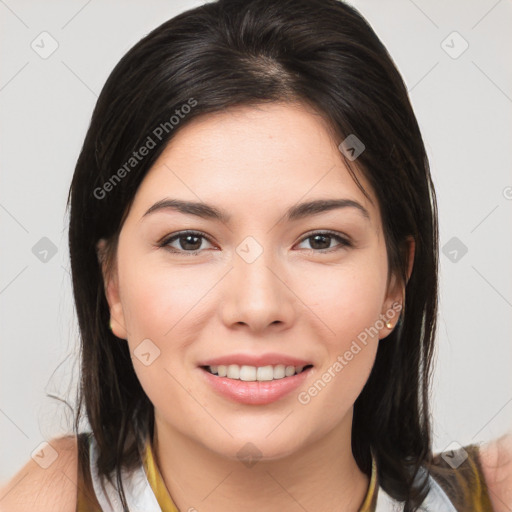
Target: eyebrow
{"x":296,"y":212}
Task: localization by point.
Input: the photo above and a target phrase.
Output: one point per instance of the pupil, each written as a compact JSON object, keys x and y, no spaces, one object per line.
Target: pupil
{"x":187,"y":238}
{"x":315,"y":240}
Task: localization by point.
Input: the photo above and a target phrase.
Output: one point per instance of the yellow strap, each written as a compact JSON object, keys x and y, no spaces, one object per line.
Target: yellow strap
{"x":157,"y":482}
{"x":370,"y":501}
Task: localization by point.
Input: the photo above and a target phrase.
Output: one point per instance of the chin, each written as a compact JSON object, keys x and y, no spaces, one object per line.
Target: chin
{"x":258,"y":447}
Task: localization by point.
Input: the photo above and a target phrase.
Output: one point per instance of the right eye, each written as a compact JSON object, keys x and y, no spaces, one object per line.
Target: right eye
{"x":189,"y":242}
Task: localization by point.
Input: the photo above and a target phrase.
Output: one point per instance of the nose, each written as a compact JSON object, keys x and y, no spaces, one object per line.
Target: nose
{"x":255,"y":294}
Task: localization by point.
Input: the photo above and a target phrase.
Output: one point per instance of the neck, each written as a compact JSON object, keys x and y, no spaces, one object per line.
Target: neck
{"x":322,"y":476}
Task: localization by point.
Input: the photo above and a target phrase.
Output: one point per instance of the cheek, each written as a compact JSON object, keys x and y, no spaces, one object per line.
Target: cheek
{"x":347,"y":299}
{"x":156,"y":302}
{"x":162,"y":303}
{"x":157,"y":298}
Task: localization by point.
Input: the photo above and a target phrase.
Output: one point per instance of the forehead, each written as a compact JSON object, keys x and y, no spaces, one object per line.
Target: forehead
{"x":252,"y":159}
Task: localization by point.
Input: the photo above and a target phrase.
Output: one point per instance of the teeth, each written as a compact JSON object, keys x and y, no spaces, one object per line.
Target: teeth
{"x":252,"y":373}
{"x":279,"y":371}
{"x":248,"y":373}
{"x":265,"y":373}
{"x":233,"y":371}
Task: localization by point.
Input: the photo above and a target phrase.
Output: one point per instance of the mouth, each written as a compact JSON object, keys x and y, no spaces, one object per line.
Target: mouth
{"x":248,"y":373}
{"x":255,"y":385}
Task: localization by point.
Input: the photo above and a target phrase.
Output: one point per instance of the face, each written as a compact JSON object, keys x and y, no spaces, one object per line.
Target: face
{"x":256,"y":285}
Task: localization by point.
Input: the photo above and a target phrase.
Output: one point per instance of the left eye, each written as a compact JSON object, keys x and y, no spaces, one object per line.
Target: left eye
{"x":188,"y":242}
{"x":321,"y":241}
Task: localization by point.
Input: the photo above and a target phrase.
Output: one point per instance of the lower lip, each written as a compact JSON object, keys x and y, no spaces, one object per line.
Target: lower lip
{"x":255,"y":392}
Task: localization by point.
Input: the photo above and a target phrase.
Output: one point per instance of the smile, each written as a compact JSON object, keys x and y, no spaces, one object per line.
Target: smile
{"x":255,"y":373}
{"x":262,"y":385}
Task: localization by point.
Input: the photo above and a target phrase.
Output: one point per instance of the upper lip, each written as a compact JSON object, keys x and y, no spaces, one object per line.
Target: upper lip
{"x":272,"y":359}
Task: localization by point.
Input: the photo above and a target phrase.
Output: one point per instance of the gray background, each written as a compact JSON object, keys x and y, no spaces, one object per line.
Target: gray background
{"x":463,"y":102}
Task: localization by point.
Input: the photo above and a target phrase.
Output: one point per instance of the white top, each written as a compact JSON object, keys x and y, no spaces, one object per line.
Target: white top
{"x":141,"y":498}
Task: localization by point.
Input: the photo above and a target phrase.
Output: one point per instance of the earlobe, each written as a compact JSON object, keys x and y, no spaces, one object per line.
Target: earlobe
{"x":117,"y":324}
{"x":392,"y":309}
{"x":111,"y":288}
{"x":395,"y":299}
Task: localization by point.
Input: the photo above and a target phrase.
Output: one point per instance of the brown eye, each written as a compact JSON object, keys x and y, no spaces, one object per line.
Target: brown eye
{"x":187,"y":242}
{"x":321,"y":241}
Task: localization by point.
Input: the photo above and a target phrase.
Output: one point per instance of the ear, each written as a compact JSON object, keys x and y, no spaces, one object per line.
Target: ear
{"x":111,"y":287}
{"x":395,"y":296}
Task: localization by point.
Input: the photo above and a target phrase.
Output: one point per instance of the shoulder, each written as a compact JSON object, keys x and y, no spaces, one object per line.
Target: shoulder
{"x":460,"y":475}
{"x":496,"y":461}
{"x":45,"y":485}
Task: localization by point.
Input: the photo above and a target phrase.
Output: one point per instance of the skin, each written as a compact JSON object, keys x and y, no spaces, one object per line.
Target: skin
{"x":247,"y":161}
{"x":296,"y":298}
{"x":496,"y":462}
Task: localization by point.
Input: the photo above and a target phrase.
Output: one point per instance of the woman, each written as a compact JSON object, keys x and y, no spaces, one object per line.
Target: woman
{"x":253,"y":241}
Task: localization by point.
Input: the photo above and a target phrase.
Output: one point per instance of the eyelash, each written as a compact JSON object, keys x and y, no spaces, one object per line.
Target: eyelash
{"x":343,"y":242}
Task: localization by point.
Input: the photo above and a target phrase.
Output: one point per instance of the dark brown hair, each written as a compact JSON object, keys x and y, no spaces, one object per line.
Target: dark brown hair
{"x":246,"y":52}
